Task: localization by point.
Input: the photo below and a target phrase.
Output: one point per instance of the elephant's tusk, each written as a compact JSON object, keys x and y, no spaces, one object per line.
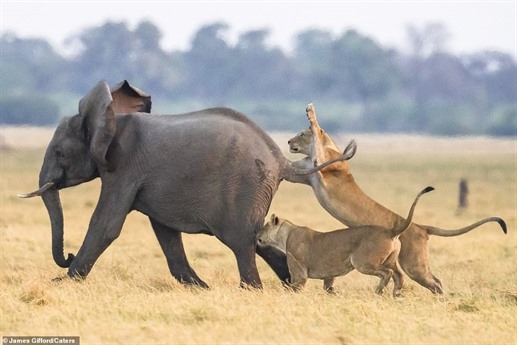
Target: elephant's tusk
{"x":40,"y":191}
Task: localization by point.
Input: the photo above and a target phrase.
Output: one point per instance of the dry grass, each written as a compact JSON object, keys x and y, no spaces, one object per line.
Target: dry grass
{"x":130,"y":297}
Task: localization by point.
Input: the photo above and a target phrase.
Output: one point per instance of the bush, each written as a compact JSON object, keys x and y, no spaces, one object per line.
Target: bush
{"x":392,"y":114}
{"x":503,"y":121}
{"x":451,"y":119}
{"x":28,"y":110}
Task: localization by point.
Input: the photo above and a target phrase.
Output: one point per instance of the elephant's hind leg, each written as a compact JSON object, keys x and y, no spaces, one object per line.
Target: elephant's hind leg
{"x":328,"y":285}
{"x":172,"y":245}
{"x":244,"y":247}
{"x":247,"y":265}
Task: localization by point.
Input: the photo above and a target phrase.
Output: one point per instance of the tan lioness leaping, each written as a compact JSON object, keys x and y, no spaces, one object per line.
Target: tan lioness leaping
{"x":372,"y":250}
{"x":338,"y":193}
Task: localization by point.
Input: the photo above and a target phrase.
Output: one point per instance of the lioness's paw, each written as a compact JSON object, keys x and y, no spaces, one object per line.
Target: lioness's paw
{"x":311,"y":114}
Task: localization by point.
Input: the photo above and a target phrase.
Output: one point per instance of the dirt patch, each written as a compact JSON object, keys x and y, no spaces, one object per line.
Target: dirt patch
{"x":25,"y":137}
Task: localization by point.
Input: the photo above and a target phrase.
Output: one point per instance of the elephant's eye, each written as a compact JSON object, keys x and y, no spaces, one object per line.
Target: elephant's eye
{"x":59,"y":154}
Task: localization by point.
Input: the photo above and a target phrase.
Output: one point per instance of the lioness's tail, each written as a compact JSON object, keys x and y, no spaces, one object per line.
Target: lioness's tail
{"x":407,"y":223}
{"x":450,"y":233}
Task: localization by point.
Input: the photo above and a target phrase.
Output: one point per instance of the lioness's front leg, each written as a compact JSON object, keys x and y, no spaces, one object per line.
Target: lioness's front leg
{"x":311,"y":115}
{"x":298,"y":273}
{"x":319,"y":153}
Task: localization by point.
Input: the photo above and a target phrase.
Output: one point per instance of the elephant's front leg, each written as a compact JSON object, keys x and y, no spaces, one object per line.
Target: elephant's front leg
{"x":172,"y":245}
{"x":104,"y":228}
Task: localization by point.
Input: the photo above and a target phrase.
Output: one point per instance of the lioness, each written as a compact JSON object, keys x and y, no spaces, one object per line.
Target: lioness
{"x":372,"y":250}
{"x":338,"y":193}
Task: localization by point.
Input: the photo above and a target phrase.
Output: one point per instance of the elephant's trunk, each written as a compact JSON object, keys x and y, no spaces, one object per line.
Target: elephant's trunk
{"x":50,"y":195}
{"x":55,"y":212}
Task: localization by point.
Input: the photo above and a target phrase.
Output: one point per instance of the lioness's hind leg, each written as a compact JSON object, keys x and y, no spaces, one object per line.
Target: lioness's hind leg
{"x":385,"y":276}
{"x":398,"y":280}
{"x":398,"y":277}
{"x":426,"y":279}
{"x":384,"y":273}
{"x":414,"y":260}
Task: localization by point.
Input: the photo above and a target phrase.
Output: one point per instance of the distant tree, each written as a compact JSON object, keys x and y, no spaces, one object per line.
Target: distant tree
{"x":363,"y":70}
{"x":423,"y":42}
{"x":106,"y":54}
{"x":363,"y":85}
{"x":446,"y":78}
{"x":258,"y":71}
{"x":312,"y":58}
{"x":115,"y":52}
{"x":158,"y":72}
{"x":28,"y":65}
{"x":497,"y":72}
{"x":207,"y":63}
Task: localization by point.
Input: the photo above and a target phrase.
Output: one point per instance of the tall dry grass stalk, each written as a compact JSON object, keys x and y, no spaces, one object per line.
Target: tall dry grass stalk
{"x":130,"y":297}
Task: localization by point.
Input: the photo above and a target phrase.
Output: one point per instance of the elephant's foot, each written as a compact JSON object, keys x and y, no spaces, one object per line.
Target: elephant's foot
{"x":194,"y":283}
{"x":251,"y":286}
{"x":66,"y":277}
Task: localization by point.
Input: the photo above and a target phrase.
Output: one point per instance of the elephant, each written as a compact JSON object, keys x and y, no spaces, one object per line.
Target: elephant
{"x":212,"y":171}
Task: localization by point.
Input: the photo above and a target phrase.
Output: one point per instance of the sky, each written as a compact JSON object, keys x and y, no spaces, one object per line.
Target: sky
{"x":473,"y":25}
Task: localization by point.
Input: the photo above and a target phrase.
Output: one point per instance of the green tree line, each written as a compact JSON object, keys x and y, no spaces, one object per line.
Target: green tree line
{"x":356,"y":83}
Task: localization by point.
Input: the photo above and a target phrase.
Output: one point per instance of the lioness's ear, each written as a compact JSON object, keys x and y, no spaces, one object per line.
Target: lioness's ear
{"x":273,"y":216}
{"x":275,"y":220}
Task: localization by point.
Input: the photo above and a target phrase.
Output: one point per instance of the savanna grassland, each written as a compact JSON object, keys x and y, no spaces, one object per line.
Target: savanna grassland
{"x":130,"y":297}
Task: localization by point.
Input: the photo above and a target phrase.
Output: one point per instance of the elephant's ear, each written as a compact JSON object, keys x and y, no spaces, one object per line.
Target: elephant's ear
{"x":99,"y":119}
{"x":129,"y":99}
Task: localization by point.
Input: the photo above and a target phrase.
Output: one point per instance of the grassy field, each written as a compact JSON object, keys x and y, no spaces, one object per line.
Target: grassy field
{"x":130,"y":297}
